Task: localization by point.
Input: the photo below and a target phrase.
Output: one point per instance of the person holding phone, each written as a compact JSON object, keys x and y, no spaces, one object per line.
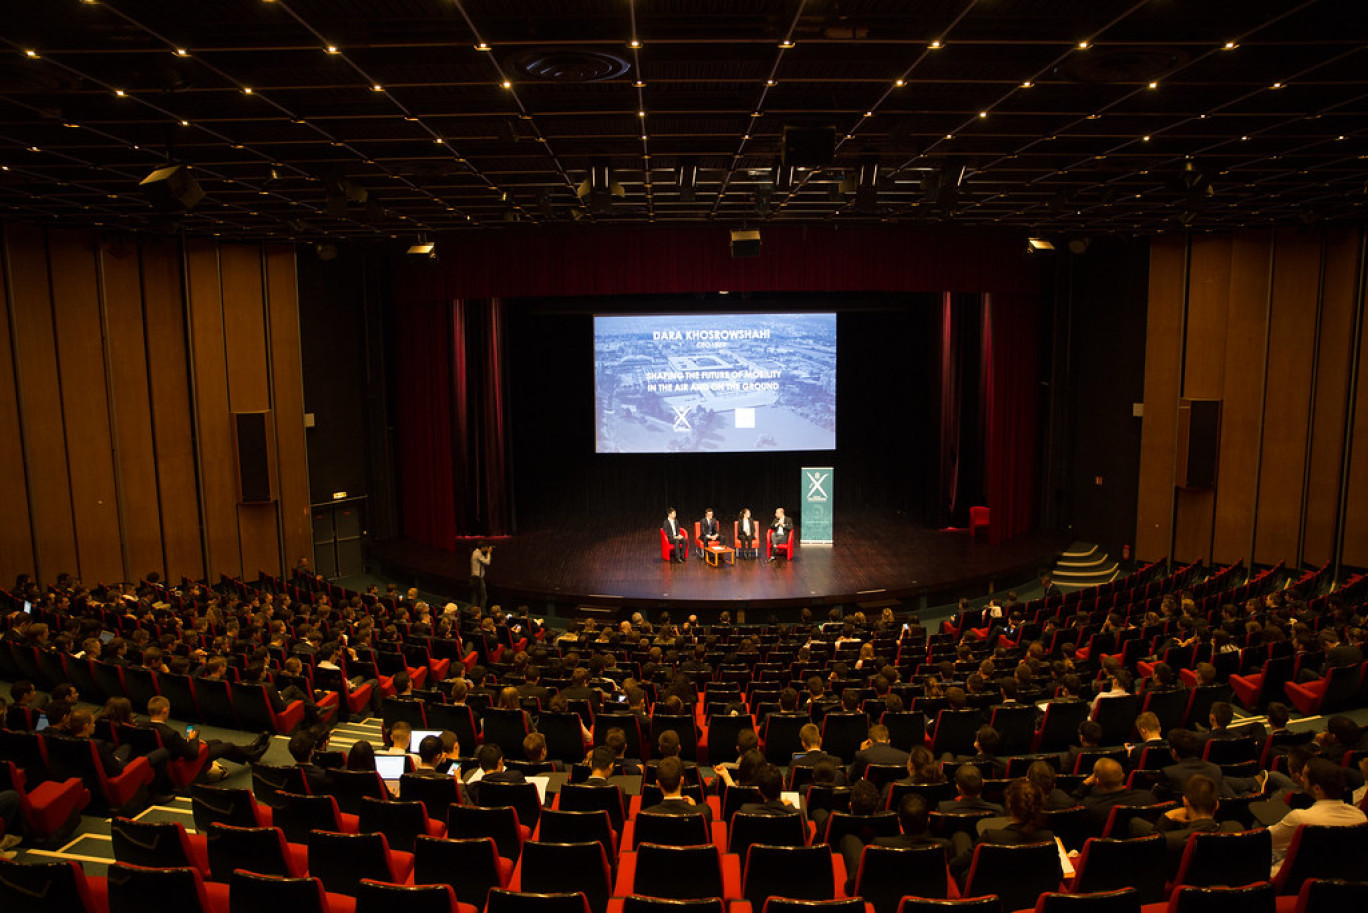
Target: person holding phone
{"x":187,"y":746}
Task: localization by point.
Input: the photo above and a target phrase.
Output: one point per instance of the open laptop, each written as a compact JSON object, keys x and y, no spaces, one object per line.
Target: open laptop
{"x":391,"y":766}
{"x":417,"y":736}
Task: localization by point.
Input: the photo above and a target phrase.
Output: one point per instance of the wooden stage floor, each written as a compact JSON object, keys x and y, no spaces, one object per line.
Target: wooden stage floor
{"x":874,"y":558}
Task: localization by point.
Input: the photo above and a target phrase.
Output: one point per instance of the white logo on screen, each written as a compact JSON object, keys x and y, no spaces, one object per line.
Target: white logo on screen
{"x":815,"y":482}
{"x":681,"y":422}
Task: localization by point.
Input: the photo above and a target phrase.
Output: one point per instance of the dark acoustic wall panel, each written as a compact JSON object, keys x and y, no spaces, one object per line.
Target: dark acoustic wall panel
{"x":1199,"y":442}
{"x":251,"y":433}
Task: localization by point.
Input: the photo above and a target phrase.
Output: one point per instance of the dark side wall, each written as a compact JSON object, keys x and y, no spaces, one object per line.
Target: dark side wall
{"x":1098,"y":374}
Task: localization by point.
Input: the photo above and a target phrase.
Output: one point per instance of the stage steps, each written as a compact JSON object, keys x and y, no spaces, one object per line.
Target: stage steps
{"x":1083,"y":564}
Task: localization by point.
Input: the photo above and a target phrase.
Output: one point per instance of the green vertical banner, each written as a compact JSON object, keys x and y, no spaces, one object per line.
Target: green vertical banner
{"x":817,"y":505}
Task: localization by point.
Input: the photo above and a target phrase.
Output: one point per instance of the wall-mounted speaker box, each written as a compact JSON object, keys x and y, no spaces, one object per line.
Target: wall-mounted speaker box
{"x":1199,"y":443}
{"x":172,"y":188}
{"x":745,"y":243}
{"x":253,"y":444}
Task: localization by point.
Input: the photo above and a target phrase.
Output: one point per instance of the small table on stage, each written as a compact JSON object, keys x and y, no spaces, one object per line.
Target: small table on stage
{"x":714,"y":553}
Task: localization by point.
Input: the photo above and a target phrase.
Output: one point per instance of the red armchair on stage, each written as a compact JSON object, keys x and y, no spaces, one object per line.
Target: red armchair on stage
{"x":667,"y":547}
{"x":786,"y":549}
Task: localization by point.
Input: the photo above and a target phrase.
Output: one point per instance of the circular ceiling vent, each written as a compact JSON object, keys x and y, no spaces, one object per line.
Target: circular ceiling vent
{"x":568,"y":65}
{"x":1120,"y":65}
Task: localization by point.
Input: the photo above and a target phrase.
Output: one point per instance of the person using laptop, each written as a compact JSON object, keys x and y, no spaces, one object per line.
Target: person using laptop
{"x":430,"y":755}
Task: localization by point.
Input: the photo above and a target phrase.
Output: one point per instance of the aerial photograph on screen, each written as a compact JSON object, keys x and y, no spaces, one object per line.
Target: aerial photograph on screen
{"x":681,"y":383}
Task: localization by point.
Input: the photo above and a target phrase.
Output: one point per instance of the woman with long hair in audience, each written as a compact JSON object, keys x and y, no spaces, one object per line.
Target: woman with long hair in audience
{"x":1025,"y":819}
{"x":361,"y":756}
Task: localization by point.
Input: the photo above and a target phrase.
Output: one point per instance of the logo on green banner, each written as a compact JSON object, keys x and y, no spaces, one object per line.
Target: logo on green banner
{"x":817,"y":505}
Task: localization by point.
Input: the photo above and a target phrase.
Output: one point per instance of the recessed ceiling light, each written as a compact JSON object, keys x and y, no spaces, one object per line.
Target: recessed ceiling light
{"x":755,"y":114}
{"x":507,"y":84}
{"x":786,"y":44}
{"x":1083,"y":45}
{"x":771,"y":82}
{"x":949,"y":136}
{"x":185,"y":123}
{"x":983,"y":114}
{"x":439,"y":141}
{"x":1230,"y":45}
{"x":332,"y":49}
{"x":377,"y":88}
{"x":1145,"y":139}
{"x":1244,"y":138}
{"x":639,"y":84}
{"x":899,"y":83}
{"x":634,"y":43}
{"x":869,"y":114}
{"x":246,"y":90}
{"x":1027,"y":84}
{"x":1154,"y":85}
{"x":935,"y":46}
{"x":182,"y":52}
{"x":120,"y":92}
{"x":33,"y":54}
{"x":1276,"y":85}
{"x":482,"y":46}
{"x":641,"y":114}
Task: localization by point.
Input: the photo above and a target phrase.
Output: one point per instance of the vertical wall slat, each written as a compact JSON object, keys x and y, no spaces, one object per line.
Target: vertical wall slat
{"x":16,"y":533}
{"x":282,"y":290}
{"x":1163,"y":351}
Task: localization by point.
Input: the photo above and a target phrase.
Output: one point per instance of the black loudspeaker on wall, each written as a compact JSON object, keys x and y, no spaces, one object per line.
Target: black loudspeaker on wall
{"x":1199,"y":443}
{"x":252,"y":440}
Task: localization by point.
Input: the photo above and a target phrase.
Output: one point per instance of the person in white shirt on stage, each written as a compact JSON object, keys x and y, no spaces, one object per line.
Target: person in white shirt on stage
{"x":674,"y":534}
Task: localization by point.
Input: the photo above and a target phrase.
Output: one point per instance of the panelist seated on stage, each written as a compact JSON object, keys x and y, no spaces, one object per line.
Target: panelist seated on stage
{"x":781,"y":533}
{"x":674,"y":533}
{"x":709,"y":531}
{"x":747,"y":529}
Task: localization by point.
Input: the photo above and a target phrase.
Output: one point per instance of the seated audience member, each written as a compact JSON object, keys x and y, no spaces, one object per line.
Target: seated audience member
{"x":670,"y":779}
{"x":747,"y":766}
{"x":667,"y":746}
{"x":1025,"y":806}
{"x":186,"y":747}
{"x":400,"y":734}
{"x":987,"y":742}
{"x":1281,"y":739}
{"x":492,"y":770}
{"x":303,"y":744}
{"x":1196,"y":816}
{"x":1151,"y":737}
{"x":812,"y":755}
{"x":431,"y":754}
{"x":603,"y":763}
{"x":1325,"y":784}
{"x":1103,"y":790}
{"x":1043,"y":776}
{"x":1089,"y":739}
{"x":969,"y":782}
{"x":913,"y":820}
{"x":770,"y":782}
{"x":1186,"y":747}
{"x":534,"y":754}
{"x":877,"y":749}
{"x":1120,"y":687}
{"x":616,"y":741}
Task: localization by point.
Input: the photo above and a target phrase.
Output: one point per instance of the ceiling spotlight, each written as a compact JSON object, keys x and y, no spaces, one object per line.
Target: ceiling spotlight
{"x":786,"y":44}
{"x":949,"y":136}
{"x":899,"y":83}
{"x":1083,"y":45}
{"x":983,"y":114}
{"x":507,"y":84}
{"x":641,"y":114}
{"x":1154,"y":85}
{"x":182,"y":52}
{"x":771,"y":82}
{"x":33,"y":54}
{"x":1230,"y":45}
{"x":1027,"y":84}
{"x":120,"y":92}
{"x":332,"y":49}
{"x":439,"y":141}
{"x":639,"y":84}
{"x":423,"y":249}
{"x":377,"y":88}
{"x":1276,"y":85}
{"x":634,"y":43}
{"x":185,"y":123}
{"x":482,"y":46}
{"x":1145,"y":139}
{"x":1038,"y":244}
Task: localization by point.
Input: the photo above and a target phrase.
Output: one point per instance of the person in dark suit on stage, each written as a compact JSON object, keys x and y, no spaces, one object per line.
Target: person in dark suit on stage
{"x":675,"y":534}
{"x":709,"y":531}
{"x":783,"y":528}
{"x":746,"y":531}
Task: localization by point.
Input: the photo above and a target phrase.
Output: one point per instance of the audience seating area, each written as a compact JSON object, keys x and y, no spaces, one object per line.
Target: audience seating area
{"x":1179,"y":644}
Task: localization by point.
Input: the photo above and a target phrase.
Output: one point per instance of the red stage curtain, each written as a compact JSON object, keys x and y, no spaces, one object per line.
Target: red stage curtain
{"x":424,"y":412}
{"x":1011,"y":335}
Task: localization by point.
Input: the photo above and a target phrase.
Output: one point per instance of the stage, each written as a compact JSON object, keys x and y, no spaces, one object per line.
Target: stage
{"x":875,"y":559}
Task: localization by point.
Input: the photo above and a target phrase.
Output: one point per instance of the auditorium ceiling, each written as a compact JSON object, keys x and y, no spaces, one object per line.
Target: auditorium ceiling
{"x":350,"y":119}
